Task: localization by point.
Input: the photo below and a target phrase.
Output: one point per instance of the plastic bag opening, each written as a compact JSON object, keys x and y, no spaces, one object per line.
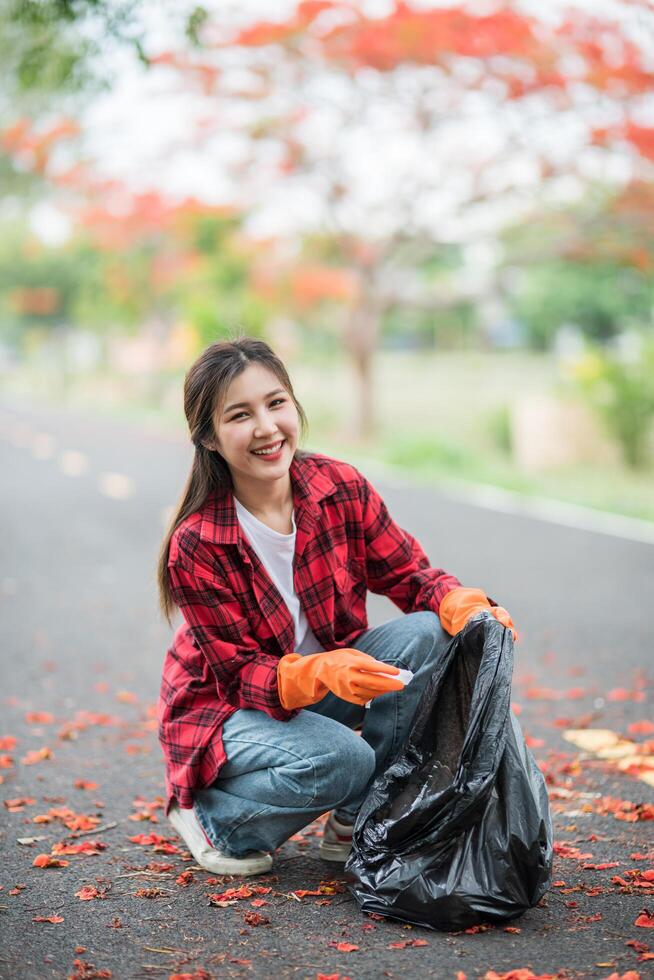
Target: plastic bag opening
{"x":437,"y":750}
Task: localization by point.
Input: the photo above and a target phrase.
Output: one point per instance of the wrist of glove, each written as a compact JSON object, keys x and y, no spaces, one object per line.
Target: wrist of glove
{"x":350,"y":674}
{"x":462,"y":604}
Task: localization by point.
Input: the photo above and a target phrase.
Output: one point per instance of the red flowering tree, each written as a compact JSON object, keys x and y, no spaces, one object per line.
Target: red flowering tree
{"x":398,"y":131}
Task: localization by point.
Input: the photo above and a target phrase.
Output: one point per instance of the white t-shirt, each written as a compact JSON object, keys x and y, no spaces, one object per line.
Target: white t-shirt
{"x":276,"y":552}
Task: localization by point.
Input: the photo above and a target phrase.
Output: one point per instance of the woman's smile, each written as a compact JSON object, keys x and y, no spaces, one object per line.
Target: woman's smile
{"x":270,"y":454}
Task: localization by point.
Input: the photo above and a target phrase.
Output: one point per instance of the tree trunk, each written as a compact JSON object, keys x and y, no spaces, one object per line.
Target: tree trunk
{"x":361,"y":342}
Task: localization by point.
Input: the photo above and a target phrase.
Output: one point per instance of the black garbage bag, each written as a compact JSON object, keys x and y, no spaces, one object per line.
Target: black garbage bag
{"x":457,"y":830}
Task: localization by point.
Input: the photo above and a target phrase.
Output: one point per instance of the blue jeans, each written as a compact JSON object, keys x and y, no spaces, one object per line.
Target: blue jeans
{"x":281,"y":775}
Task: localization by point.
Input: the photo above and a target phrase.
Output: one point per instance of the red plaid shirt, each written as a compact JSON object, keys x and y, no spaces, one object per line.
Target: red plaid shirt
{"x":237,"y":626}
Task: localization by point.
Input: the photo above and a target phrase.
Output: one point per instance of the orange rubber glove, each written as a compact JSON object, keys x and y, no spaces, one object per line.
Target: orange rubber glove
{"x":350,"y":674}
{"x":460,"y":604}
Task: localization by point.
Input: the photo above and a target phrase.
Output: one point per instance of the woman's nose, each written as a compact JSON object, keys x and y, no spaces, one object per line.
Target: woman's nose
{"x":265,"y":425}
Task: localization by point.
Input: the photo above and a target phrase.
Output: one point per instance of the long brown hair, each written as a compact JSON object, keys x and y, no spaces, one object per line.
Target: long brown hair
{"x":205,"y":389}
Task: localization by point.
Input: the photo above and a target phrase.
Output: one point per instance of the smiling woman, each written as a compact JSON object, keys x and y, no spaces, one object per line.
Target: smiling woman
{"x":270,"y":557}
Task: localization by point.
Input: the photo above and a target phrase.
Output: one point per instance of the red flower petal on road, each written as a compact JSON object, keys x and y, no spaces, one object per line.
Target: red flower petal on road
{"x":87,"y":892}
{"x":622,"y":694}
{"x":48,"y":861}
{"x":39,"y":718}
{"x":601,"y":867}
{"x":645,"y":919}
{"x":36,"y":755}
{"x":160,"y":844}
{"x":47,"y":918}
{"x":19,"y":803}
{"x":629,"y":975}
{"x":344,"y":947}
{"x":565,"y":850}
{"x":86,"y":847}
{"x":644,"y":727}
{"x":255,"y":919}
{"x":83,"y":970}
{"x":542,"y":693}
{"x":523,"y":973}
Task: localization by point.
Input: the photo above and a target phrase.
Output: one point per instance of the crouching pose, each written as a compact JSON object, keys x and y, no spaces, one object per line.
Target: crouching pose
{"x":269,"y":558}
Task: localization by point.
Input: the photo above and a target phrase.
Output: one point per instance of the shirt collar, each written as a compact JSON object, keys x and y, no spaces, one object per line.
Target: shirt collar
{"x":220,"y":524}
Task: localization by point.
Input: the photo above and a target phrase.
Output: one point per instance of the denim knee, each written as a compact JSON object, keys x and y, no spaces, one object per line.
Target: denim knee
{"x":425,"y":633}
{"x":344,"y":770}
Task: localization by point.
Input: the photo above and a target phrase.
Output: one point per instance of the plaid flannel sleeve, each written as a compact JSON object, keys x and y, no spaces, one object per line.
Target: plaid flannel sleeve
{"x":246,"y":676}
{"x":396,"y":564}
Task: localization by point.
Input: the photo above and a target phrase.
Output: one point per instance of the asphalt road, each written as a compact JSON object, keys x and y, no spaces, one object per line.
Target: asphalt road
{"x":83,"y":501}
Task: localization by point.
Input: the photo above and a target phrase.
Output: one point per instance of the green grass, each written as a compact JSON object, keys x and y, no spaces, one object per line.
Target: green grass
{"x":445,"y":417}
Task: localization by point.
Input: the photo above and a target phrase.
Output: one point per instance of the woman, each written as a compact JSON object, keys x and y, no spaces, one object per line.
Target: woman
{"x":269,"y":558}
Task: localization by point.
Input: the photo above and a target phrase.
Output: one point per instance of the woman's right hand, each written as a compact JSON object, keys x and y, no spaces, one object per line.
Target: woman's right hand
{"x":350,"y":674}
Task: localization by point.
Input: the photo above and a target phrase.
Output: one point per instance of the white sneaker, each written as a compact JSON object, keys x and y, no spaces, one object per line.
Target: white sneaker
{"x":209,"y":857}
{"x":336,"y":842}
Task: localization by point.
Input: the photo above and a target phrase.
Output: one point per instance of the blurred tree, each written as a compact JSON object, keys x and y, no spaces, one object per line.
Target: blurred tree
{"x":38,"y":285}
{"x":54,"y":54}
{"x":133,"y":259}
{"x":49,"y":48}
{"x":588,"y":264}
{"x":397,"y":129}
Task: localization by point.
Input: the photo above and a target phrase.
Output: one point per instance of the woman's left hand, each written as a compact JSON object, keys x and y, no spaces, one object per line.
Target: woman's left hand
{"x":462,"y":604}
{"x":504,"y":617}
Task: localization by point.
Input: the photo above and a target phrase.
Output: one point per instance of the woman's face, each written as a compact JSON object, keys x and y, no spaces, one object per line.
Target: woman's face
{"x":267,"y":417}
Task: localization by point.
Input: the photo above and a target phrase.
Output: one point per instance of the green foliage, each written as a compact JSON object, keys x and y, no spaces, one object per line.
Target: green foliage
{"x":621,"y":391}
{"x":165,"y":276}
{"x":195,"y":22}
{"x":443,"y":258}
{"x":587,"y":264}
{"x":54,"y":46}
{"x":210,"y":233}
{"x":426,"y":452}
{"x":27,"y":267}
{"x":599,"y":297}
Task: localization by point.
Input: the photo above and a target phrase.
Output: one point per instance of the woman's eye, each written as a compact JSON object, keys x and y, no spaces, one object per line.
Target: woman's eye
{"x":274,"y":402}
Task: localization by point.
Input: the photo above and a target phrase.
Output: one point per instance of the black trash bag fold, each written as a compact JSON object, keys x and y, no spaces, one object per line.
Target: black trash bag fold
{"x":457,"y":830}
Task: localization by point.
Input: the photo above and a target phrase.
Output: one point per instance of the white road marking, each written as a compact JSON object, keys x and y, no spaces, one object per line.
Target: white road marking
{"x":560,"y":512}
{"x":116,"y":485}
{"x":43,"y":446}
{"x":73,"y":463}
